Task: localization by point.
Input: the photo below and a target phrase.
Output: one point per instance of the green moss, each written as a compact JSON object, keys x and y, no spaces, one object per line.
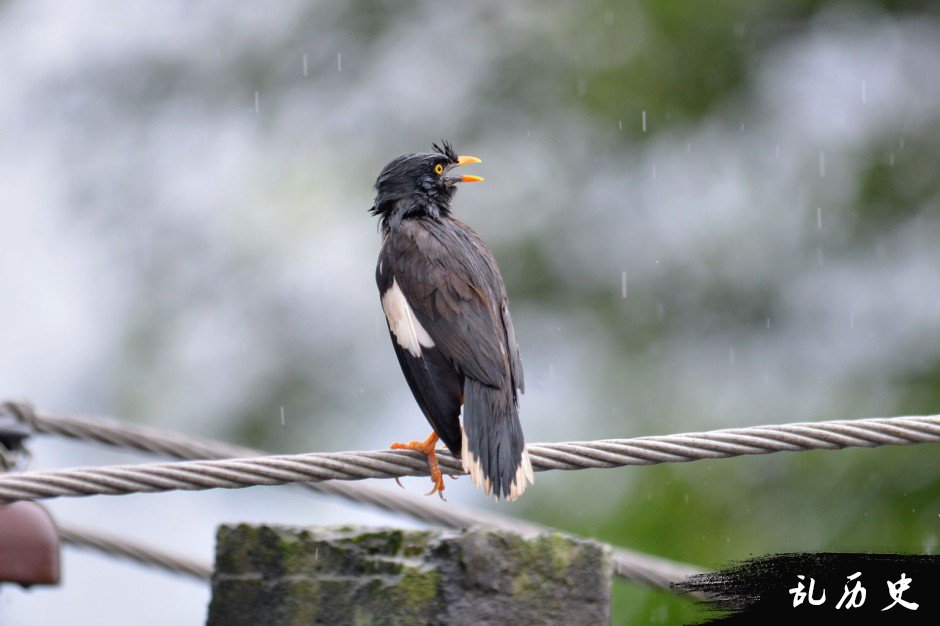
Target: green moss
{"x":561,"y":552}
{"x":419,"y":587}
{"x":288,"y":545}
{"x":417,"y":544}
{"x":378,"y":542}
{"x":301,"y":601}
{"x":524,"y":584}
{"x":363,"y":616}
{"x":414,"y":596}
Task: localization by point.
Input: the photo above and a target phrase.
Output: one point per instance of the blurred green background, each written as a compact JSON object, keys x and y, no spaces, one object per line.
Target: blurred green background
{"x":707,"y":214}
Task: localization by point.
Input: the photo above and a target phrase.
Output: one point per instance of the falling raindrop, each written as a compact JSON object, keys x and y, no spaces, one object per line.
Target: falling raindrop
{"x":891,"y":159}
{"x":305,"y":65}
{"x":620,"y":124}
{"x":654,"y":171}
{"x":339,"y":61}
{"x":623,"y":284}
{"x":282,"y":416}
{"x":819,"y":217}
{"x":742,"y":127}
{"x":768,"y":323}
{"x":852,"y":321}
{"x":644,"y":120}
{"x":257,"y":102}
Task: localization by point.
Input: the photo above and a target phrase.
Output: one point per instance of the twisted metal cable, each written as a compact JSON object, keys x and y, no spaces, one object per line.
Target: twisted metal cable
{"x":142,"y":553}
{"x":648,"y":570}
{"x":283,"y":469}
{"x":120,"y":435}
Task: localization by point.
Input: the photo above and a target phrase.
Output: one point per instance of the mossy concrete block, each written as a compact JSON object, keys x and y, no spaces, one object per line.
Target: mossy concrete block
{"x":355,"y":575}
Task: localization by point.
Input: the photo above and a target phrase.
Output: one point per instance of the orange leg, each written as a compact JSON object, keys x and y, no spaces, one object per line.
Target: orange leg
{"x":427,"y":447}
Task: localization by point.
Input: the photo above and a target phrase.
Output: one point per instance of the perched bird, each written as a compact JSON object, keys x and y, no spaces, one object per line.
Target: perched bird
{"x":448,"y":316}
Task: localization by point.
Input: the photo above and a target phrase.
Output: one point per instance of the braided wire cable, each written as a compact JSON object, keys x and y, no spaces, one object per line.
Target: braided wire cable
{"x":637,"y":567}
{"x":133,"y":550}
{"x":233,"y":473}
{"x":282,"y":469}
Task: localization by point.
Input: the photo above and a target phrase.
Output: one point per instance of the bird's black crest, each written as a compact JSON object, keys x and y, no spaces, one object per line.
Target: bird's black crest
{"x":409,"y":185}
{"x":444,"y":148}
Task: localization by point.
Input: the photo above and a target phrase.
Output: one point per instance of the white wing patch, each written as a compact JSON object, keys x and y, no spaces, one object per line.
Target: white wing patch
{"x":408,"y":331}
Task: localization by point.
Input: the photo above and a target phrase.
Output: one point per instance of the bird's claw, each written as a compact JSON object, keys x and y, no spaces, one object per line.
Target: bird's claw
{"x":438,"y":490}
{"x":426,"y":447}
{"x":438,"y":487}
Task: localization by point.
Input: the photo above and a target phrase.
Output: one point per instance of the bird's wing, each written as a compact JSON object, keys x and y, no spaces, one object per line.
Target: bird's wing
{"x":436,"y":385}
{"x":515,"y":360}
{"x":452,"y":283}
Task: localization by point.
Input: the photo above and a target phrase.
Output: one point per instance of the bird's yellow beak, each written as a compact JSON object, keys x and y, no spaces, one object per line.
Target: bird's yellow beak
{"x":467,"y":160}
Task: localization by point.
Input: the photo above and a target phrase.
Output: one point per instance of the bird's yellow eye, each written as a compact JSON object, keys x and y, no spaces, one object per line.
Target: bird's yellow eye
{"x":438,"y":169}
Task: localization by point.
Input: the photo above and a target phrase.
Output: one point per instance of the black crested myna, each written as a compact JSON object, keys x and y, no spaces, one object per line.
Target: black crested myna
{"x":448,"y":316}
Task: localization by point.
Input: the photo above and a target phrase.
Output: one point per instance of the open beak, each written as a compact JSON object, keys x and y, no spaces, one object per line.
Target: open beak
{"x":467,"y":160}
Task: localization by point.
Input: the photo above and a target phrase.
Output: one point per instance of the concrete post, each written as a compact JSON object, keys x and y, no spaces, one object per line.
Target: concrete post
{"x":355,"y":575}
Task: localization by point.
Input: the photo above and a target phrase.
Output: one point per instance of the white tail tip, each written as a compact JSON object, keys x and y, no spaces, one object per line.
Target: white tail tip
{"x":471,"y":465}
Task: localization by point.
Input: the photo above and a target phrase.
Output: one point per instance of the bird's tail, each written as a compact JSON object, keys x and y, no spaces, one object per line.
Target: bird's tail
{"x":493,"y":450}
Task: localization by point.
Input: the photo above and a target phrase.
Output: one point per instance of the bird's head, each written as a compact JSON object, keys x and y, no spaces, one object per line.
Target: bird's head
{"x":415,"y":185}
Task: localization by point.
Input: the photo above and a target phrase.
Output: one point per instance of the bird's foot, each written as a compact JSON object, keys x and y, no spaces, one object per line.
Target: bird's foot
{"x":427,"y":447}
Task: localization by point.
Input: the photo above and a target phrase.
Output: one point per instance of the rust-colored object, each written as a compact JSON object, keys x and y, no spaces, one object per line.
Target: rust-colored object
{"x":29,"y":545}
